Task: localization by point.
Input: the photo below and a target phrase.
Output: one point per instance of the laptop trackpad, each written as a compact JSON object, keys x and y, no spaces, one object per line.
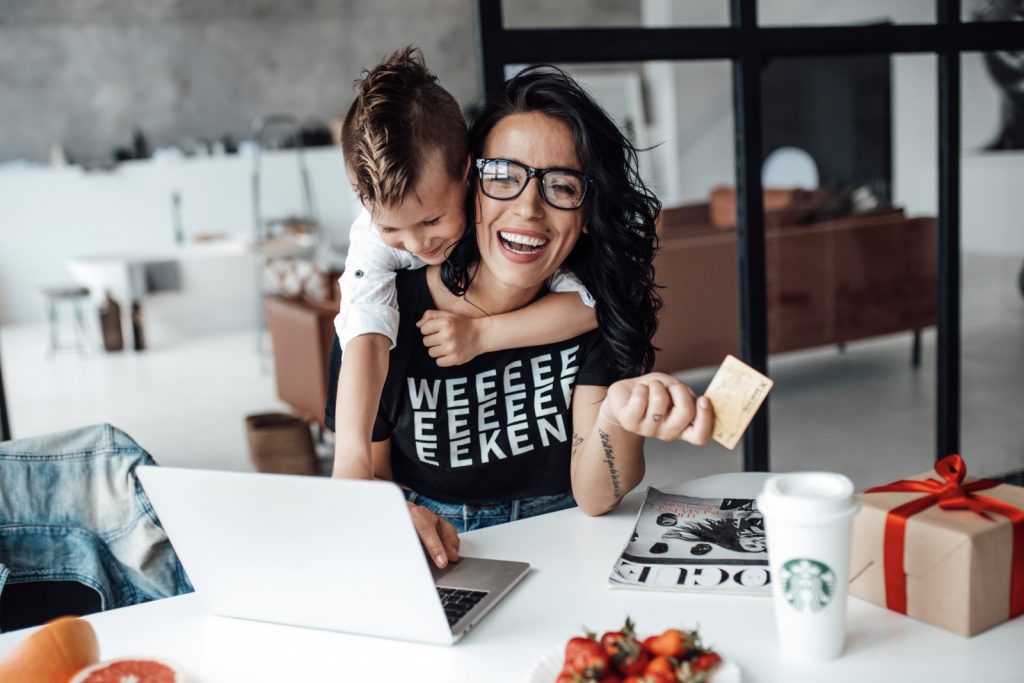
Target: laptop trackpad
{"x":475,"y":573}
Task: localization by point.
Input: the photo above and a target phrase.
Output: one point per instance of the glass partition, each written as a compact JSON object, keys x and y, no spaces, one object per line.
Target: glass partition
{"x":851,"y":265}
{"x":992,"y":300}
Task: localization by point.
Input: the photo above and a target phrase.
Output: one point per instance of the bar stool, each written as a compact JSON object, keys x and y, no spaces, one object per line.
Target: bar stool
{"x":69,"y":300}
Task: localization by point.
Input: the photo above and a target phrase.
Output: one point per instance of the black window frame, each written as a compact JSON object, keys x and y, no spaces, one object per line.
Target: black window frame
{"x":748,"y":45}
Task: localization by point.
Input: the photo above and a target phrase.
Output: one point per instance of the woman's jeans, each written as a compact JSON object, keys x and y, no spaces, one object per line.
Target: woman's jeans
{"x":469,"y":516}
{"x":71,"y":509}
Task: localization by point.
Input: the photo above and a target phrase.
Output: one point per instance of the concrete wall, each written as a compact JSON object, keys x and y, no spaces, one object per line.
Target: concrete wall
{"x":85,"y":72}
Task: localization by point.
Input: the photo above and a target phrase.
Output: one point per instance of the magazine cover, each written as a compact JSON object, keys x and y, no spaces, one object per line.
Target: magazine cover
{"x":714,"y":545}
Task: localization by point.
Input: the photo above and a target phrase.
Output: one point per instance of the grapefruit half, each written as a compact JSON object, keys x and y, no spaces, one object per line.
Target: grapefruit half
{"x":130,"y":670}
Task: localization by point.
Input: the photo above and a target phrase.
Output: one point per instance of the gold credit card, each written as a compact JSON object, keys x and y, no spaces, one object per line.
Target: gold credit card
{"x":736,"y":392}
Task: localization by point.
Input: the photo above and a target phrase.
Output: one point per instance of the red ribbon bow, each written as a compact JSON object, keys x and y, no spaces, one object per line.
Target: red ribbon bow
{"x":949,"y":494}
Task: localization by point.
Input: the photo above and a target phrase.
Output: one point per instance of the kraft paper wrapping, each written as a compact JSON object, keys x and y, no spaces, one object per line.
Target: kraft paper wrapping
{"x":958,"y":563}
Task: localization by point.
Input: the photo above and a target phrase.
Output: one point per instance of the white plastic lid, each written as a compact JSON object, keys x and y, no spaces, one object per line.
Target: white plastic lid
{"x":807,"y":496}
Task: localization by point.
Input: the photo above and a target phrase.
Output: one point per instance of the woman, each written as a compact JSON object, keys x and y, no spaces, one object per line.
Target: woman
{"x":522,"y":432}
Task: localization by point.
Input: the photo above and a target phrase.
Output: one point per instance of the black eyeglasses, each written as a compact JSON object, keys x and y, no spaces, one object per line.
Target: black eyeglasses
{"x":562,"y":188}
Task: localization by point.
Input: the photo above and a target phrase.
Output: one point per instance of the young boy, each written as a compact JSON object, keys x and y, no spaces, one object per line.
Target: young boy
{"x":406,"y":154}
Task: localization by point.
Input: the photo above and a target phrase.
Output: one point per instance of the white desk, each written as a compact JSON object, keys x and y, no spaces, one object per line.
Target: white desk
{"x":571,"y":555}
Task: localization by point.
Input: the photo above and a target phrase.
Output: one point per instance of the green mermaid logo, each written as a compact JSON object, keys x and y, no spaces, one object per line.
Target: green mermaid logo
{"x":808,"y":585}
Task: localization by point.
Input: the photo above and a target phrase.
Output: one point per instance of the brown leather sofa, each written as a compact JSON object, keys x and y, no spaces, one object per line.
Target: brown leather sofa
{"x":828,"y":282}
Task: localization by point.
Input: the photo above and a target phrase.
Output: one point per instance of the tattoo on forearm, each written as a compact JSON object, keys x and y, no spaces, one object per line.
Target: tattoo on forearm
{"x":609,"y":457}
{"x":576,"y":441}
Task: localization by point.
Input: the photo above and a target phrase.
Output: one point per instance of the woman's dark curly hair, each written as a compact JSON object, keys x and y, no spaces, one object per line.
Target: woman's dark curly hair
{"x":614,"y":260}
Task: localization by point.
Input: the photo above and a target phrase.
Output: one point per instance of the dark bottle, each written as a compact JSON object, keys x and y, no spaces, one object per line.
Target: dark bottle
{"x":110,"y":324}
{"x":140,"y":148}
{"x":140,"y":342}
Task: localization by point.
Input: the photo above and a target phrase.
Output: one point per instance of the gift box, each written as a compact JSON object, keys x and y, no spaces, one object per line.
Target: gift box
{"x":943,"y":548}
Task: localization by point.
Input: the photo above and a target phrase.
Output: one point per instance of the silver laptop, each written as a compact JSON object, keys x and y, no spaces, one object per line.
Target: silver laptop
{"x":323,"y":553}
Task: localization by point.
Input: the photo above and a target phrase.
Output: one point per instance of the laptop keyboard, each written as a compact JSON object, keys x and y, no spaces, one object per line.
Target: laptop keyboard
{"x":458,"y":601}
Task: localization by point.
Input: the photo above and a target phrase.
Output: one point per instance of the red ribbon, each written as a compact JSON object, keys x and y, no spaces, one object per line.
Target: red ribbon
{"x":949,"y":494}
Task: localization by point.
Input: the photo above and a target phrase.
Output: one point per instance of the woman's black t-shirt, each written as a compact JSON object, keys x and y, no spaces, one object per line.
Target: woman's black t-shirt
{"x":494,"y":429}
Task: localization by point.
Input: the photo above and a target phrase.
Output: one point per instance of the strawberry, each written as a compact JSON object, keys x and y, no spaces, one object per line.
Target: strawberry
{"x":577,"y":645}
{"x":705,"y":661}
{"x":568,"y":675}
{"x":588,"y":658}
{"x":658,"y":677}
{"x":624,"y":650}
{"x":661,"y":665}
{"x":671,"y":643}
{"x":699,"y":668}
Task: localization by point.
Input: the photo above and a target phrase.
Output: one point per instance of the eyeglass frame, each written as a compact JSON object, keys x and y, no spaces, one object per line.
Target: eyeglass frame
{"x":539,"y":174}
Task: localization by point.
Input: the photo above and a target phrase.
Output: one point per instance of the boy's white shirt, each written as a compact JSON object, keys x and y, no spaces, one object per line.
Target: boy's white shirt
{"x":369,"y":303}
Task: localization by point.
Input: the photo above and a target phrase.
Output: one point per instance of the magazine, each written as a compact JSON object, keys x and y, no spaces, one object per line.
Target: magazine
{"x":708,"y":545}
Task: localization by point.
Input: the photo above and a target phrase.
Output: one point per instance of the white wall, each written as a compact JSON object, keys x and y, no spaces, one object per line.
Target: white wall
{"x":692,"y":106}
{"x":48,"y":215}
{"x":691,"y":110}
{"x":992,"y":203}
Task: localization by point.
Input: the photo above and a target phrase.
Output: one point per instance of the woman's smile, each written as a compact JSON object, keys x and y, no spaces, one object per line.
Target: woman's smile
{"x":521,"y":245}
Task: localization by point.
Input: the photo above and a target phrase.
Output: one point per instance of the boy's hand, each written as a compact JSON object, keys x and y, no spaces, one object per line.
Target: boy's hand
{"x":438,"y":536}
{"x":660,"y":406}
{"x":449,"y":338}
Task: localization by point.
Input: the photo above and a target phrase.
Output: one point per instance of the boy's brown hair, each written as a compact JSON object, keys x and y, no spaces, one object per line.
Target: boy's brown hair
{"x":400,"y":115}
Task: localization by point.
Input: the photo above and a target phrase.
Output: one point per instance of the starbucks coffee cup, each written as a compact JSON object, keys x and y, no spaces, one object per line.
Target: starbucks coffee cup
{"x":808,"y":518}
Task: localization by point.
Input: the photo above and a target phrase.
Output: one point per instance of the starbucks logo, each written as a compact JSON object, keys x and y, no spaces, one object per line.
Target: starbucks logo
{"x":808,"y":585}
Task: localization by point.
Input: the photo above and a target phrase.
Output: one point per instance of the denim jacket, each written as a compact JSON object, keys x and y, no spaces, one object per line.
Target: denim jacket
{"x":71,"y":509}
